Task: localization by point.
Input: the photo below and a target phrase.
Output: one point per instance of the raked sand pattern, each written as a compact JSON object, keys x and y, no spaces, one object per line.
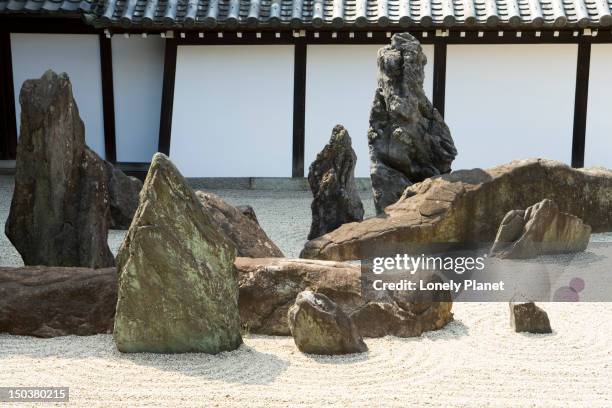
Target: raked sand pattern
{"x":476,"y":361}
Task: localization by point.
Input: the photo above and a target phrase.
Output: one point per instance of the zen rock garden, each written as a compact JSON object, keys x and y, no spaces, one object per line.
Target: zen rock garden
{"x":195,"y":273}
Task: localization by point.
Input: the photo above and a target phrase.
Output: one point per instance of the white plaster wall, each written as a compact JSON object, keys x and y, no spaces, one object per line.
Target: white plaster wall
{"x":340,"y":85}
{"x":598,"y":149}
{"x":138,"y":71}
{"x":506,"y":102}
{"x":233,"y":111}
{"x":79,"y":56}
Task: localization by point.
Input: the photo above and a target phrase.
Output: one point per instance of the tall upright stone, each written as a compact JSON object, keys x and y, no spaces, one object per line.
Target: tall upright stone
{"x":408,"y":138}
{"x":332,"y":182}
{"x":59,"y":213}
{"x":178,"y":289}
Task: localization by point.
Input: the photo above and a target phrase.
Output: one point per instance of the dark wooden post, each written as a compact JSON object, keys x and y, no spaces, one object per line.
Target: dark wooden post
{"x":8,"y":121}
{"x":580,"y":103}
{"x":299,"y":108}
{"x":439,"y":77}
{"x":165,"y":122}
{"x":108,"y":98}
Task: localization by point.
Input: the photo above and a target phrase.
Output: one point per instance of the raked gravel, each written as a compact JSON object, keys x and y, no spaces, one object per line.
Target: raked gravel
{"x":476,"y":361}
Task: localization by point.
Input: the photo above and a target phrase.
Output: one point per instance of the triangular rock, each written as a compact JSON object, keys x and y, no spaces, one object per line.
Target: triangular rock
{"x":178,"y":290}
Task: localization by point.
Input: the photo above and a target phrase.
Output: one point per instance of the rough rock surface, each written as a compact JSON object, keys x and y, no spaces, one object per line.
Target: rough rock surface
{"x":268,"y":288}
{"x":332,"y":182}
{"x":467,"y":206}
{"x":246,"y":235}
{"x":319,"y":326}
{"x":538,"y":230}
{"x":178,"y":290}
{"x":59,"y":213}
{"x":408,"y":138}
{"x":527,"y":317}
{"x":123,"y":194}
{"x":52,"y":301}
{"x":248,"y":212}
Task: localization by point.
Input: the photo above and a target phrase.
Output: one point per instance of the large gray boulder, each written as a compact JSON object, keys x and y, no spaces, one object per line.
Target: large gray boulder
{"x":178,"y":290}
{"x":52,"y":301}
{"x":332,"y":182}
{"x":408,"y":138}
{"x":539,"y":230}
{"x":59,"y":213}
{"x":466,"y":207}
{"x":319,"y":326}
{"x":242,"y":230}
{"x":269,"y":287}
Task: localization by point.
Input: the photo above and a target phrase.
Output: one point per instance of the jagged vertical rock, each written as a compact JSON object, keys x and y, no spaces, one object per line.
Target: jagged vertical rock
{"x":59,"y":213}
{"x":178,"y":288}
{"x":332,"y":181}
{"x":408,"y":138}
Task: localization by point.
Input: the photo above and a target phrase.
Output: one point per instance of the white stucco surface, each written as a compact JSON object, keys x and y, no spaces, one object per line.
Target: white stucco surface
{"x":340,"y":85}
{"x":598,"y":146}
{"x":506,"y":102}
{"x":79,"y":56}
{"x":138,"y":71}
{"x":233,"y":111}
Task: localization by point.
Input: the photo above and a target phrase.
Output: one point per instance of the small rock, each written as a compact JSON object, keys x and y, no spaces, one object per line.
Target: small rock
{"x":123,"y":197}
{"x":247,"y":236}
{"x":540,"y":229}
{"x":527,"y":317}
{"x":51,"y":301}
{"x":319,"y":326}
{"x":178,"y":290}
{"x":332,"y":182}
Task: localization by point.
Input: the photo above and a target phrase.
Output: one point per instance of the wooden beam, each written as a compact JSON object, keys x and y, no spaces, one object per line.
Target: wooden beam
{"x":108,"y":98}
{"x":165,"y":122}
{"x":8,"y":121}
{"x":439,"y":77}
{"x":580,"y":104}
{"x":299,"y":108}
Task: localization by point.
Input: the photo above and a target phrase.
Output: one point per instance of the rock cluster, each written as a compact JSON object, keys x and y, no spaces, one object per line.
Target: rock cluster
{"x":178,"y":290}
{"x":540,"y":229}
{"x":527,"y":317}
{"x":66,"y":197}
{"x":319,"y":326}
{"x":51,"y":301}
{"x":332,"y":182}
{"x":466,"y":207}
{"x":269,"y":287}
{"x":241,"y":229}
{"x":408,"y":138}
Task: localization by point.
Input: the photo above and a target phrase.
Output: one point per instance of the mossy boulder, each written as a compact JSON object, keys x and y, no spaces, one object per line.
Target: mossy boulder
{"x":178,"y":290}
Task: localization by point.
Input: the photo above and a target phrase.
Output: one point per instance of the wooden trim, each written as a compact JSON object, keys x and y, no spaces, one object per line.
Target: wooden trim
{"x":46,"y":25}
{"x":8,"y":120}
{"x":439,"y":77}
{"x":299,"y":109}
{"x":165,"y":121}
{"x":108,"y":98}
{"x":581,"y":104}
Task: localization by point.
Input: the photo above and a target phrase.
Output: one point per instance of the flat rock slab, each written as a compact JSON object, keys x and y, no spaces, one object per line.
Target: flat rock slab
{"x":53,"y":301}
{"x":540,"y":230}
{"x":178,"y":290}
{"x":466,"y":207}
{"x":319,"y":326}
